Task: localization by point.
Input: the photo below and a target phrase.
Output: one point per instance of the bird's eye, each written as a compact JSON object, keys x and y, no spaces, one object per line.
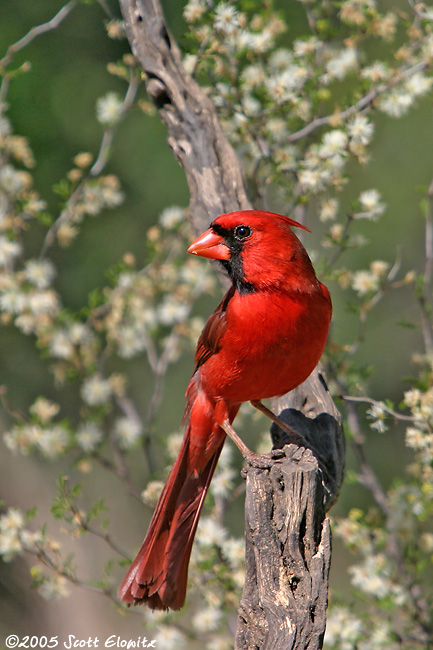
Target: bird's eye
{"x":242,"y":232}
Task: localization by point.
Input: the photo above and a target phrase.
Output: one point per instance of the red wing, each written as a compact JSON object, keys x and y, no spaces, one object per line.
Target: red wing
{"x":210,"y":338}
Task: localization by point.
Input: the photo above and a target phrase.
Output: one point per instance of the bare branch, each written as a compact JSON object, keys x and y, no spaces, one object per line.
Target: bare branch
{"x":381,"y":405}
{"x":426,"y":297}
{"x":97,"y":168}
{"x":361,"y":105}
{"x":34,"y":32}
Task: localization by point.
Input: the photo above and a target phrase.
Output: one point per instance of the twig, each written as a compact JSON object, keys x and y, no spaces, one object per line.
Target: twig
{"x":108,"y":136}
{"x":361,"y":105}
{"x":121,"y":475}
{"x":97,"y":168}
{"x":381,"y":405}
{"x":368,"y":478}
{"x":93,"y":531}
{"x":343,"y":246}
{"x":425,"y":297}
{"x":34,"y":32}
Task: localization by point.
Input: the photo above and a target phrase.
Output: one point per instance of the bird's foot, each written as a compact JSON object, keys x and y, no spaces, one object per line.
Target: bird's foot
{"x":255,"y":460}
{"x":265,"y":461}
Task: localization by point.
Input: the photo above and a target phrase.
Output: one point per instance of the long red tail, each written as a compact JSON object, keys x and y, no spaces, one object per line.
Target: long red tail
{"x":158,"y":575}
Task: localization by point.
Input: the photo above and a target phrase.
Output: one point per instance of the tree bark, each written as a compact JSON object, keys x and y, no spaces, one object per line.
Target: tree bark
{"x":288,"y":548}
{"x":288,"y":537}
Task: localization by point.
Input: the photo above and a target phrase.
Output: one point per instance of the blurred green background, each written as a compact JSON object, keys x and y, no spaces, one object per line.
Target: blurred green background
{"x":53,"y":105}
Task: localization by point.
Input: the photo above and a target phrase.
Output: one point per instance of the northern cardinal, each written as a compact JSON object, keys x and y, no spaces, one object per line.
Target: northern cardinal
{"x":264,"y":339}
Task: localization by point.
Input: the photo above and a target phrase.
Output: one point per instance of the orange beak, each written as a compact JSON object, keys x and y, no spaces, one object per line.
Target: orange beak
{"x":211,"y":245}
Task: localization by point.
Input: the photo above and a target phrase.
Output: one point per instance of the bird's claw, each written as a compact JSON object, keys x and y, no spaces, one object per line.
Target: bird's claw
{"x":265,"y":461}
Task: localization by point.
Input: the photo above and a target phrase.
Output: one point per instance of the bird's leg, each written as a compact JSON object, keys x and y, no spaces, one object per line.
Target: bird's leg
{"x":294,"y":435}
{"x":262,"y":462}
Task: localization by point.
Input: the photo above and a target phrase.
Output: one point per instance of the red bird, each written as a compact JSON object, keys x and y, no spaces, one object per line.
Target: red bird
{"x":264,"y":339}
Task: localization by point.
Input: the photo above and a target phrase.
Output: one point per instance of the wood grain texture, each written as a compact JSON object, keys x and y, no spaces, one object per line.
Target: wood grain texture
{"x":288,"y":554}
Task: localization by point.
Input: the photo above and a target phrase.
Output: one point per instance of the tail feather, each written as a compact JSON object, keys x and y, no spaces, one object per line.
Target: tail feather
{"x":158,"y":575}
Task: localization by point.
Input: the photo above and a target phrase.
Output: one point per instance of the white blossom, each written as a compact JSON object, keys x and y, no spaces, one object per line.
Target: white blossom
{"x":314,"y":179}
{"x":9,"y":250}
{"x":379,"y":268}
{"x":88,"y":436}
{"x":333,"y":142}
{"x":96,"y":390}
{"x":52,"y":442}
{"x":340,"y":64}
{"x":116,"y":29}
{"x":282,"y":86}
{"x":226,"y":19}
{"x":329,"y":210}
{"x":418,"y":84}
{"x":395,"y":103}
{"x":343,"y":628}
{"x":13,"y":519}
{"x":152,"y":492}
{"x":222,"y":483}
{"x":207,"y":620}
{"x":43,"y":302}
{"x":13,"y":301}
{"x":31,"y":539}
{"x":109,"y":109}
{"x":22,"y":439}
{"x":377,"y":415}
{"x":5,"y":125}
{"x":44,"y":409}
{"x":79,"y":333}
{"x":416,"y":438}
{"x":360,"y":129}
{"x":280,"y":60}
{"x":412,"y":397}
{"x":365,"y":282}
{"x":98,"y":195}
{"x":174,"y":442}
{"x":40,"y":273}
{"x":220,"y":643}
{"x":370,"y":201}
{"x":210,"y":532}
{"x":258,"y":42}
{"x":380,"y":637}
{"x":377,"y":71}
{"x":112,"y":195}
{"x":127,"y":432}
{"x":189,"y":63}
{"x":26,"y":323}
{"x":10,"y":545}
{"x":54,"y":587}
{"x":172,"y":217}
{"x":130,"y":341}
{"x":61,"y":346}
{"x":373,"y":577}
{"x":168,"y":638}
{"x":234,"y":551}
{"x":171,"y":311}
{"x":306,"y":47}
{"x":194,"y":10}
{"x":253,"y":75}
{"x":12,"y":180}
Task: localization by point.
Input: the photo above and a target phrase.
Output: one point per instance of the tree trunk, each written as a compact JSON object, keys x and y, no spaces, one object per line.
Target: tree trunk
{"x":288,"y":537}
{"x":288,"y":549}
